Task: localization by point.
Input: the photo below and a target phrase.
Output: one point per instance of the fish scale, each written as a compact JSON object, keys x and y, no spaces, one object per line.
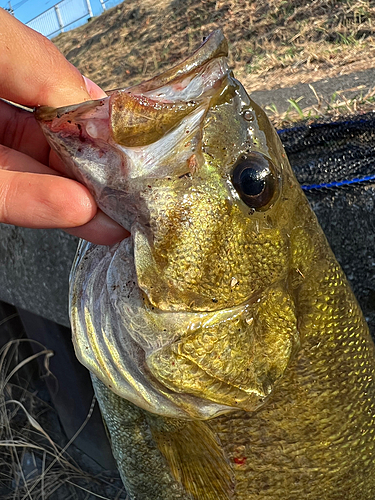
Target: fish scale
{"x":315,"y":439}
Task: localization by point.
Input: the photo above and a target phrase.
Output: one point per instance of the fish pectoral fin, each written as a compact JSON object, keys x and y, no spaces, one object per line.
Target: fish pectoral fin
{"x":195,"y":457}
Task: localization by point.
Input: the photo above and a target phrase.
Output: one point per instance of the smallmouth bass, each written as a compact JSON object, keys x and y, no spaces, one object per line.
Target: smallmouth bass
{"x":228,"y":354}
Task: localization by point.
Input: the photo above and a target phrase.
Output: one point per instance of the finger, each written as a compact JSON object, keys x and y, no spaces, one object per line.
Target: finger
{"x":20,"y":162}
{"x":43,"y":201}
{"x":32,"y":70}
{"x":19,"y":130}
{"x":30,"y":196}
{"x":94,"y":90}
{"x":100,"y":230}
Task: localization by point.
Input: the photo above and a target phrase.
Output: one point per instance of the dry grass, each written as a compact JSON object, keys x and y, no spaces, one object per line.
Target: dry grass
{"x":273,"y":43}
{"x":33,"y":466}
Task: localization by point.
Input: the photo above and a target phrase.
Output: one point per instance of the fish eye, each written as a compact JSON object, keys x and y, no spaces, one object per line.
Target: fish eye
{"x":254,"y":178}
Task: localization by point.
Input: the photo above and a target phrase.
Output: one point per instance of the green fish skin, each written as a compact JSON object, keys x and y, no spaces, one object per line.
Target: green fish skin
{"x":229,"y":356}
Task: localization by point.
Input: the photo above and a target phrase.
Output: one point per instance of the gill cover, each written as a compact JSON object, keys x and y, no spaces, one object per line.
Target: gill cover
{"x":191,"y":316}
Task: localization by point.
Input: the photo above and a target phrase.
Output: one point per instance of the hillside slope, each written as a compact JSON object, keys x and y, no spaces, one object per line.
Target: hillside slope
{"x":273,"y":43}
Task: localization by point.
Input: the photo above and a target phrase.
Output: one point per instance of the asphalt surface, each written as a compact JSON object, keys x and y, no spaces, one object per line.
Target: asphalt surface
{"x":350,"y":86}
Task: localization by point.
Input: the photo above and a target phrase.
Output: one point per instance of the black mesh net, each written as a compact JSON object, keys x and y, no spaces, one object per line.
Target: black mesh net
{"x":335,"y":164}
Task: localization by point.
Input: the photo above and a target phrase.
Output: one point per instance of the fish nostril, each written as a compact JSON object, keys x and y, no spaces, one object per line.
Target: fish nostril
{"x":248,"y":115}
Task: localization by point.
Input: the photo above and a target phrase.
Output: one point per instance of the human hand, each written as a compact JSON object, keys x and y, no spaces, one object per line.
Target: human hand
{"x":34,"y":188}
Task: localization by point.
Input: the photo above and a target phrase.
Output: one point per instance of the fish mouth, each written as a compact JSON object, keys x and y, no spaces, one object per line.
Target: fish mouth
{"x":143,"y":114}
{"x":134,"y":133}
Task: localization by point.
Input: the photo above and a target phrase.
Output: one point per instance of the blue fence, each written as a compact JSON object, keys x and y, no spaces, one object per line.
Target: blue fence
{"x":63,"y":16}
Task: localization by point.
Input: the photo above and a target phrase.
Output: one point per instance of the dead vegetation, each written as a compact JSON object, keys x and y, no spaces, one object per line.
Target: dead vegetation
{"x":273,"y":43}
{"x":34,"y":459}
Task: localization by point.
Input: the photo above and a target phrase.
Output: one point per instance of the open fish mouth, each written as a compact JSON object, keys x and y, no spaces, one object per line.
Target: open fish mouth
{"x":112,"y":143}
{"x":185,"y":81}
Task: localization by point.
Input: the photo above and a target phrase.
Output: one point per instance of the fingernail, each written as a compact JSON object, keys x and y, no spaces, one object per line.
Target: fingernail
{"x":94,"y":90}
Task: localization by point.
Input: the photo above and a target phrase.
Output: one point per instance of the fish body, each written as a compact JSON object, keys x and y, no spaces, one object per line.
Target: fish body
{"x":228,"y":353}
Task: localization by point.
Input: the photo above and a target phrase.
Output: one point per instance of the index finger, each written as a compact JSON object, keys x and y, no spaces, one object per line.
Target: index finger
{"x":33,"y":71}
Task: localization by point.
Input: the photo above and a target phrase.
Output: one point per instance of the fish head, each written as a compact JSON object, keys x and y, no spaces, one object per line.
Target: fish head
{"x":193,"y":315}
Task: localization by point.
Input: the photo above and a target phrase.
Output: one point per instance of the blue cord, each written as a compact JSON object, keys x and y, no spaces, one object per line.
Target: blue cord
{"x":336,"y":184}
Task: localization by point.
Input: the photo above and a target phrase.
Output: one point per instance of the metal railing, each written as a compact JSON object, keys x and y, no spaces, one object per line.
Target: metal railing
{"x":61,"y":16}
